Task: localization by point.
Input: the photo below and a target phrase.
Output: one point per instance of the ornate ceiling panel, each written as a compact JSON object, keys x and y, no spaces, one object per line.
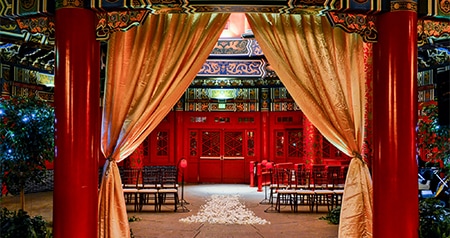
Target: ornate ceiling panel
{"x":26,"y":8}
{"x":30,"y":25}
{"x":233,"y":68}
{"x":236,"y":48}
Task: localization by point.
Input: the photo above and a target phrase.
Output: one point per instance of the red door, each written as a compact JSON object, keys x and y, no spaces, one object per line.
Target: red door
{"x":222,"y":156}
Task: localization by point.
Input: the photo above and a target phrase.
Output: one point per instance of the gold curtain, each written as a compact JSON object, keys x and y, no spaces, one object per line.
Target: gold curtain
{"x":323,"y":70}
{"x":148,"y":69}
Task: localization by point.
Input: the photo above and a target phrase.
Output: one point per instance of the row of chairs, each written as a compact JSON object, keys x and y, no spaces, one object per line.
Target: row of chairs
{"x":320,"y":185}
{"x":151,"y":185}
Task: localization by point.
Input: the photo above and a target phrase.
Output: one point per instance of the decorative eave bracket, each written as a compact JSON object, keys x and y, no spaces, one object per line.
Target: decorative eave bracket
{"x":361,"y":24}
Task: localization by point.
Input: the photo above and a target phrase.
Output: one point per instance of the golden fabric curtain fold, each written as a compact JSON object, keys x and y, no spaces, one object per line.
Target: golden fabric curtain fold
{"x":148,"y":69}
{"x":323,"y":70}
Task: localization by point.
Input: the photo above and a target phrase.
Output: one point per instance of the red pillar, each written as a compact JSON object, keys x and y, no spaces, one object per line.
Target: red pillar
{"x":179,"y":136}
{"x":260,"y":176}
{"x":136,"y":159}
{"x":77,"y":95}
{"x":313,"y":143}
{"x":395,"y":116}
{"x":265,"y":144}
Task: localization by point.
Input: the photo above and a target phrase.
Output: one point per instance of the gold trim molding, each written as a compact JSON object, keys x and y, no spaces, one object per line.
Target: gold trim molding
{"x":70,"y":4}
{"x":403,"y":6}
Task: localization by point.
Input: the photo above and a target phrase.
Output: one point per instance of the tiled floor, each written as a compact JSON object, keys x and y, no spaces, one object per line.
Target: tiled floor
{"x":167,"y":223}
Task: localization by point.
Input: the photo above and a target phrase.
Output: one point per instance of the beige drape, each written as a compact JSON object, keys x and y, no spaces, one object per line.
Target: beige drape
{"x":148,"y":69}
{"x":323,"y":70}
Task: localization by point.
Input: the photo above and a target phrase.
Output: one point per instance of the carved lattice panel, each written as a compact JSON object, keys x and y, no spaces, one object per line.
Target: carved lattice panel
{"x":295,"y":146}
{"x":250,"y":143}
{"x":211,"y":143}
{"x":233,"y":143}
{"x":162,"y":143}
{"x":193,"y":143}
{"x":279,"y":148}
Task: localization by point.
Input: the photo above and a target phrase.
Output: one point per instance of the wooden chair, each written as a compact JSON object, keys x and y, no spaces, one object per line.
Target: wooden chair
{"x":148,"y":190}
{"x":304,"y":193}
{"x":286,"y":188}
{"x":169,"y":187}
{"x":322,"y":195}
{"x":130,"y":179}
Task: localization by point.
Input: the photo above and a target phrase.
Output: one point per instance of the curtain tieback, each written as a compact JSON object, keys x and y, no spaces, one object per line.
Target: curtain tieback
{"x":358,"y":156}
{"x":109,"y":160}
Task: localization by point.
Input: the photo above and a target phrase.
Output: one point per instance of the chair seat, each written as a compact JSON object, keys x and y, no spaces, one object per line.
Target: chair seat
{"x":277,"y":186}
{"x":167,"y":190}
{"x":149,"y":185}
{"x":287,"y":191}
{"x":323,"y":191}
{"x":148,"y":190}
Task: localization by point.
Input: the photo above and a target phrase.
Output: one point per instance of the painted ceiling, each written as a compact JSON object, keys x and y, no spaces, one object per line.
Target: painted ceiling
{"x":27,"y":31}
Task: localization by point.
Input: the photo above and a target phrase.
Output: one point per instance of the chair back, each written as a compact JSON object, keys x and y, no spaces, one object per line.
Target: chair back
{"x":302,"y":177}
{"x":169,"y":177}
{"x":334,"y":176}
{"x":150,"y":177}
{"x":130,"y":177}
{"x":281,"y":177}
{"x":319,"y":176}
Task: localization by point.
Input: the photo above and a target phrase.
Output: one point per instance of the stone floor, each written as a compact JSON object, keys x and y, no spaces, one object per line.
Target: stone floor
{"x":167,"y":223}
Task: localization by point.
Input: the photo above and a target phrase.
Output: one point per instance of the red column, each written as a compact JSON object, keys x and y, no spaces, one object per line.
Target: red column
{"x":265,"y":143}
{"x":77,"y":93}
{"x":312,"y":142}
{"x":395,"y":116}
{"x":136,"y":159}
{"x":179,"y":136}
{"x":260,"y":177}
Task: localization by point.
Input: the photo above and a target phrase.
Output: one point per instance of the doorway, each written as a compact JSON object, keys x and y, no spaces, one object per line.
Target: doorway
{"x":221,"y":156}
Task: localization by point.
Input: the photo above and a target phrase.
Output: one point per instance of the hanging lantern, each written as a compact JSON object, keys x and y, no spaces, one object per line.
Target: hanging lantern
{"x":183,"y":163}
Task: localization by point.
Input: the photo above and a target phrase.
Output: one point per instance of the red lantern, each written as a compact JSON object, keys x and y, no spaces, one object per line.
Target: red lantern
{"x":264,"y":162}
{"x":269,"y":165}
{"x":183,"y":163}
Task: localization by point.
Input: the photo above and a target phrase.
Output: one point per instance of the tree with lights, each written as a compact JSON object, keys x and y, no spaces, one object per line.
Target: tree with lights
{"x":26,"y":142}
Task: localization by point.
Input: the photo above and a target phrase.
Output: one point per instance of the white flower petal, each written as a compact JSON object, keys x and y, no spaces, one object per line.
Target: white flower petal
{"x":224,"y":209}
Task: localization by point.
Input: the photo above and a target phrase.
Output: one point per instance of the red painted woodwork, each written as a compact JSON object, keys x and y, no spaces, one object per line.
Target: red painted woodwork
{"x":178,"y":134}
{"x":136,"y":159}
{"x":77,"y":94}
{"x":219,"y":146}
{"x":284,"y":126}
{"x":260,"y":177}
{"x":265,"y":134}
{"x":162,"y":141}
{"x":224,"y":157}
{"x":313,"y":143}
{"x":395,"y":116}
{"x":252,"y":169}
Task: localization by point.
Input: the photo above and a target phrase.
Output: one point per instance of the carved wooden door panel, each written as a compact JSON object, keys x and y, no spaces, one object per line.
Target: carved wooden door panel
{"x":221,"y":156}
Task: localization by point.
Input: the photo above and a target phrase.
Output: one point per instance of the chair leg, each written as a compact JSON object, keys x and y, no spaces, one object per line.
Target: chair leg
{"x":278,"y":203}
{"x":136,"y":202}
{"x":176,"y":201}
{"x":156,"y":201}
